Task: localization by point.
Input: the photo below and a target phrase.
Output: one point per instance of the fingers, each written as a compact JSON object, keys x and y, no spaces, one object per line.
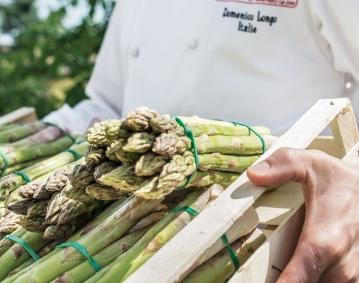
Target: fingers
{"x":283,"y":166}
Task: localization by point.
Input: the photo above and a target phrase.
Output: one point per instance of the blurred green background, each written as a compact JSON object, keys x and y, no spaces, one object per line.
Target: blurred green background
{"x":49,"y":51}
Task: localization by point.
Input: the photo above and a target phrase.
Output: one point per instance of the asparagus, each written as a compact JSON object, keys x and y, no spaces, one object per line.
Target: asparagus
{"x":5,"y":244}
{"x":122,"y":178}
{"x":113,"y":228}
{"x":23,"y":154}
{"x":93,"y":224}
{"x":13,"y":181}
{"x":150,"y":164}
{"x":170,"y":144}
{"x":105,"y":132}
{"x":139,"y":142}
{"x":116,"y":153}
{"x":220,"y":268}
{"x":102,"y":192}
{"x":103,"y":168}
{"x":227,"y":163}
{"x":156,"y":237}
{"x":84,"y":271}
{"x":200,"y":126}
{"x":44,"y":251}
{"x":9,"y":223}
{"x":46,"y":135}
{"x":17,"y":255}
{"x":139,"y":119}
{"x":20,"y":166}
{"x":166,"y":234}
{"x":95,"y":155}
{"x":20,"y":132}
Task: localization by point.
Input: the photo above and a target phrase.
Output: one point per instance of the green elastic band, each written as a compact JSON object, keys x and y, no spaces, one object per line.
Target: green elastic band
{"x":191,"y":211}
{"x":82,"y":250}
{"x":23,"y":175}
{"x":25,"y":245}
{"x":230,"y":251}
{"x":250,"y":129}
{"x":188,"y":132}
{"x":75,"y":154}
{"x":61,"y":130}
{"x":5,"y":160}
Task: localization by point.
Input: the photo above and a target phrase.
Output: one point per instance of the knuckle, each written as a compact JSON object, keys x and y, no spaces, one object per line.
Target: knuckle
{"x":325,"y":248}
{"x":287,"y":155}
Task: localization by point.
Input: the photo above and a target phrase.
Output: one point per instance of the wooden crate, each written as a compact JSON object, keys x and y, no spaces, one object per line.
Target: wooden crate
{"x":275,"y":209}
{"x":21,"y":115}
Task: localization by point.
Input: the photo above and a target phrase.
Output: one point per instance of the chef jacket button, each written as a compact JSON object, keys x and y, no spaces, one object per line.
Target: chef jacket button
{"x":135,"y":52}
{"x":193,"y":44}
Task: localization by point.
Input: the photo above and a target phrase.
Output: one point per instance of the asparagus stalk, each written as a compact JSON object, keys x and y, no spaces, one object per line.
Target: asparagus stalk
{"x":19,"y":166}
{"x":170,"y":144}
{"x":5,"y":244}
{"x":155,"y":238}
{"x":20,"y":132}
{"x":46,"y":135}
{"x":113,"y":228}
{"x":17,"y":255}
{"x":84,"y":271}
{"x":226,"y":163}
{"x":23,"y":154}
{"x":220,"y":268}
{"x":200,"y":126}
{"x":93,"y":224}
{"x":11,"y":182}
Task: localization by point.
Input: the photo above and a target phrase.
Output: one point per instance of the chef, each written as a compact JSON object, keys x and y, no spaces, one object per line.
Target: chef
{"x":259,"y":61}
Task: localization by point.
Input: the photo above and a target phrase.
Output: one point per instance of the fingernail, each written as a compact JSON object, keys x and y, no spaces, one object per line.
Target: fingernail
{"x":260,"y":168}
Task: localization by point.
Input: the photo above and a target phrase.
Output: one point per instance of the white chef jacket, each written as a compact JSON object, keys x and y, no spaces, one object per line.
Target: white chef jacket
{"x":255,"y":61}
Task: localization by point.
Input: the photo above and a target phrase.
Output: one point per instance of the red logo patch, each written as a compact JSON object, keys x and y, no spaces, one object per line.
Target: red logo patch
{"x":278,"y":3}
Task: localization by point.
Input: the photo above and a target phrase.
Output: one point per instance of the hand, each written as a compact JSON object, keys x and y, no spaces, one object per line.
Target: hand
{"x":328,"y":247}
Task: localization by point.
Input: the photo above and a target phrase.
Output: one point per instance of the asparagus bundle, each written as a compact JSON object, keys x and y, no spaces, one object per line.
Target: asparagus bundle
{"x":154,"y":153}
{"x":84,"y":271}
{"x":111,"y":229}
{"x":93,"y":224}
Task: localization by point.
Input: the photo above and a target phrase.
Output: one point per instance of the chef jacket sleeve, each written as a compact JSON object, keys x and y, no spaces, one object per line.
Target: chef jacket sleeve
{"x":104,"y":88}
{"x":338,"y":22}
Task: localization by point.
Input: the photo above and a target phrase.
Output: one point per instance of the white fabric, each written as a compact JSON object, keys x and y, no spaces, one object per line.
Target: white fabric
{"x":189,"y":57}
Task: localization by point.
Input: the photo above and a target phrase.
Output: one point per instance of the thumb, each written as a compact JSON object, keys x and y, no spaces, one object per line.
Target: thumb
{"x":282,"y":166}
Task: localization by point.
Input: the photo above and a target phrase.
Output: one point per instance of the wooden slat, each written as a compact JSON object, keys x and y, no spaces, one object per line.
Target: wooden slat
{"x":345,"y":130}
{"x":328,"y":145}
{"x":22,"y":115}
{"x":187,"y":246}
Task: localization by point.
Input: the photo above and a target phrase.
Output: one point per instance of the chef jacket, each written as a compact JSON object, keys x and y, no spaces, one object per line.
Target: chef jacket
{"x":255,"y":61}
